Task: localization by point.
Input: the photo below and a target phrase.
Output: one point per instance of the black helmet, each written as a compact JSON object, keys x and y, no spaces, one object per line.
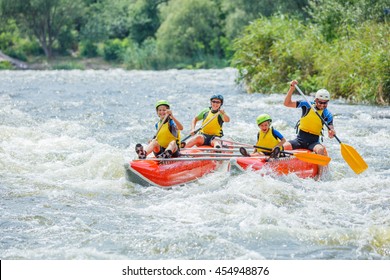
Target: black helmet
{"x":217,"y":96}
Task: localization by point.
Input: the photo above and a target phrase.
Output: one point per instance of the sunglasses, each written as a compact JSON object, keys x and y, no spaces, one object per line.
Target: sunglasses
{"x":217,"y":102}
{"x":323,"y":102}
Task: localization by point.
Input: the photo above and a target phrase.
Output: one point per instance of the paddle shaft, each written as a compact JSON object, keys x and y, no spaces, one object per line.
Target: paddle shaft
{"x":192,"y":159}
{"x":203,"y":126}
{"x":269,"y":149}
{"x":304,"y":156}
{"x":184,"y":159}
{"x":211,"y":154}
{"x":160,"y":126}
{"x":209,"y":149}
{"x":307,"y":157}
{"x":236,"y":143}
{"x":234,"y":150}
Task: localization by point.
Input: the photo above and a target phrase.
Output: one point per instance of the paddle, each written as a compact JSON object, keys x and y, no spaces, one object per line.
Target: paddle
{"x":307,"y":157}
{"x":184,"y":159}
{"x":200,"y":128}
{"x":209,"y":149}
{"x":159,"y":127}
{"x":236,"y":144}
{"x":350,"y":155}
{"x":210,"y":154}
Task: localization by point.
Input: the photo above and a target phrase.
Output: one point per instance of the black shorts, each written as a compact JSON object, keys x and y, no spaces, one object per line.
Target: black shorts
{"x":305,"y":140}
{"x":175,"y":154}
{"x":207,"y":139}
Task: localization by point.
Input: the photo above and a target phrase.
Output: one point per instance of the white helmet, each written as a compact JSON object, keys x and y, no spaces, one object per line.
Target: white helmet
{"x":323,"y":94}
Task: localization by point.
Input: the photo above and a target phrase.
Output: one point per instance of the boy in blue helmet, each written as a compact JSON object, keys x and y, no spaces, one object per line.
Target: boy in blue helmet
{"x":165,"y":143}
{"x":212,"y":118}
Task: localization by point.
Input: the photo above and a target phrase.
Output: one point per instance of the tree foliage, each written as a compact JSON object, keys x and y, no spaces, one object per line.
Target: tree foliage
{"x":337,"y":18}
{"x":189,"y":28}
{"x":357,"y":68}
{"x":44,"y":19}
{"x":145,"y":19}
{"x":273,"y":49}
{"x":340,"y":44}
{"x":278,"y":49}
{"x":105,"y":20}
{"x":240,"y":13}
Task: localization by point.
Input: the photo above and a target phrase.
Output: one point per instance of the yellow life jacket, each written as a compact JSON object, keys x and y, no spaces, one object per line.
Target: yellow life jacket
{"x":311,"y":123}
{"x":214,"y":127}
{"x":266,"y":140}
{"x":165,"y":135}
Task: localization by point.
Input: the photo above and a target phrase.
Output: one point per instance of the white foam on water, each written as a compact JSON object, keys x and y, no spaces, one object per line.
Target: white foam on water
{"x":65,"y":136}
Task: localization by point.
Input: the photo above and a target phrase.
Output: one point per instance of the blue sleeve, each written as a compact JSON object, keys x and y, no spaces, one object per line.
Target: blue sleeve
{"x":327,"y":116}
{"x":172,"y":123}
{"x":277,"y":134}
{"x":302,"y":103}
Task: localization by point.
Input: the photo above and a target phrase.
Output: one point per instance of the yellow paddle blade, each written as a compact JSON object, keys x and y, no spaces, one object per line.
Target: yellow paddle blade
{"x":313,"y":158}
{"x":352,"y":157}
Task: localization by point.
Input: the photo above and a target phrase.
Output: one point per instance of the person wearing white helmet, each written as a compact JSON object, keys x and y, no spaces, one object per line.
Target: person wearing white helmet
{"x":310,"y":125}
{"x":212,"y":124}
{"x":165,"y":143}
{"x":322,"y":94}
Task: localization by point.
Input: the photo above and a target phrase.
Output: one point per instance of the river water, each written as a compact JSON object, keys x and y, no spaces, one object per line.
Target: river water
{"x":65,"y":136}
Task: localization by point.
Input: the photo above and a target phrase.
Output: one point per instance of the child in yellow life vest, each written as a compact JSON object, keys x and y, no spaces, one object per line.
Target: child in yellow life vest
{"x":212,"y":119}
{"x":269,"y":140}
{"x":165,"y":144}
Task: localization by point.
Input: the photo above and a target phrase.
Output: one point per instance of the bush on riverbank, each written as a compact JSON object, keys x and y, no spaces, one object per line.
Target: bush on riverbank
{"x":355,"y":66}
{"x":338,"y":44}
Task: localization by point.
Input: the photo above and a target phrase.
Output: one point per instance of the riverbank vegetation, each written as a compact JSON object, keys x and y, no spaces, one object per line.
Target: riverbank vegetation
{"x":342,"y":45}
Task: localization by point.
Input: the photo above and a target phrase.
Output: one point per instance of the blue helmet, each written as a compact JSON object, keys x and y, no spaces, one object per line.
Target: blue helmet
{"x":217,"y":96}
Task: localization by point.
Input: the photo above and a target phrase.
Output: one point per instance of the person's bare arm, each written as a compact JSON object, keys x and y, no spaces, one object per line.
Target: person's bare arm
{"x":288,"y":102}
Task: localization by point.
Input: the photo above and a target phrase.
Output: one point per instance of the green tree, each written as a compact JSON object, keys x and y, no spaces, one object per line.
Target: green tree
{"x":144,"y":19}
{"x":239,"y":13}
{"x":337,"y":17}
{"x":189,"y":28}
{"x":269,"y":54}
{"x":44,"y":19}
{"x":277,"y":49}
{"x":106,"y":19}
{"x":357,"y":68}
